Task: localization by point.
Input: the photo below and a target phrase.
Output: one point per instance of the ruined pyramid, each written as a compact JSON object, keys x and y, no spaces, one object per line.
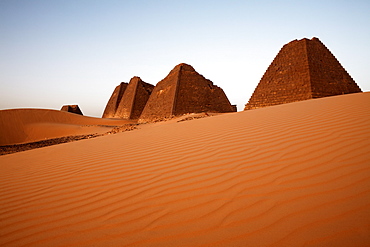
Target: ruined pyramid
{"x":134,"y":99}
{"x":184,"y":91}
{"x":303,"y":69}
{"x":115,"y":99}
{"x":72,"y":109}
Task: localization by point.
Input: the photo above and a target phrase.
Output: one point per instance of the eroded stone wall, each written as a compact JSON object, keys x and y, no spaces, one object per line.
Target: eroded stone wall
{"x":185,"y":91}
{"x":134,"y":99}
{"x":160,"y":102}
{"x":114,"y":101}
{"x":303,"y":69}
{"x":72,"y":109}
{"x":197,"y":94}
{"x":143,"y":92}
{"x":328,"y":77}
{"x":287,"y":79}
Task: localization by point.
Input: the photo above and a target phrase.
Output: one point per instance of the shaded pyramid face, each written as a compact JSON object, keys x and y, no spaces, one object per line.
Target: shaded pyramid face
{"x":72,"y":109}
{"x":114,"y":101}
{"x":134,"y":99}
{"x":303,"y":69}
{"x":185,"y":91}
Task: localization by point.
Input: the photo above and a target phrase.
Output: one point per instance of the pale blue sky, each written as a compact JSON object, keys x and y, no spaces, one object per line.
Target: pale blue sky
{"x":55,"y":52}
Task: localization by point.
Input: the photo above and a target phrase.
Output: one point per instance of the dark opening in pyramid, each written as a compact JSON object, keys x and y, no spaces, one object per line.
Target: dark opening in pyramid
{"x":303,"y":69}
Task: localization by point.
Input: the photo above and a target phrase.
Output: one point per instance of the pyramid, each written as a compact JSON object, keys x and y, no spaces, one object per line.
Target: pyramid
{"x":115,"y":99}
{"x":134,"y":99}
{"x":303,"y":69}
{"x":72,"y":109}
{"x":185,"y":91}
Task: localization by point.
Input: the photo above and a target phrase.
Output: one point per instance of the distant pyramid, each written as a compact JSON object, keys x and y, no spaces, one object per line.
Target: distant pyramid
{"x":72,"y":109}
{"x":134,"y":99}
{"x":115,"y":99}
{"x":303,"y":69}
{"x":185,"y":91}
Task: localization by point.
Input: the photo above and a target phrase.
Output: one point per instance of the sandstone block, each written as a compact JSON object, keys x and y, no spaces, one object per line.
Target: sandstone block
{"x":303,"y":69}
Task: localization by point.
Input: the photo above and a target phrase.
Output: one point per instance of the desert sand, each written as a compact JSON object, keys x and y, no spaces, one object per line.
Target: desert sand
{"x":30,"y":125}
{"x":296,"y":174}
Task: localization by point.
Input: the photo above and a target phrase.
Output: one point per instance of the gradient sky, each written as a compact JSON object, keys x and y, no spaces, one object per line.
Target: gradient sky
{"x":56,"y":52}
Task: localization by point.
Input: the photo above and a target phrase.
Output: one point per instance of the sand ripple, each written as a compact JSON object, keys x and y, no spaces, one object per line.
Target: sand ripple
{"x":289,"y":175}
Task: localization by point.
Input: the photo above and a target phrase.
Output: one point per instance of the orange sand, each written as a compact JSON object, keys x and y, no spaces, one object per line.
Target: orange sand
{"x":30,"y":125}
{"x":288,"y":175}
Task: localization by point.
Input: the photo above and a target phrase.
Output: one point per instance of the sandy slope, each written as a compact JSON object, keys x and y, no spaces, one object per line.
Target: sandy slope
{"x":29,"y":125}
{"x":289,"y":175}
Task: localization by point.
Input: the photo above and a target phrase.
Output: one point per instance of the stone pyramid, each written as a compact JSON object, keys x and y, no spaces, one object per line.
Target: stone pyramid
{"x":72,"y":109}
{"x":134,"y":99}
{"x":115,"y":99}
{"x":303,"y":69}
{"x":185,"y":91}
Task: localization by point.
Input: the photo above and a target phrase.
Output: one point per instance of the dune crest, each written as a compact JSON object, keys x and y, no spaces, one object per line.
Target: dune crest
{"x":30,"y":125}
{"x":296,"y":174}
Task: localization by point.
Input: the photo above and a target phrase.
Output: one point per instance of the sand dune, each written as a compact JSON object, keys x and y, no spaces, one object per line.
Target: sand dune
{"x":287,"y":175}
{"x":30,"y":125}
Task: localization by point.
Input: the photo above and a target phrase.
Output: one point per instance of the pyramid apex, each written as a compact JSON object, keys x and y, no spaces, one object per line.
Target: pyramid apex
{"x":184,"y":66}
{"x":305,"y":39}
{"x":135,"y":78}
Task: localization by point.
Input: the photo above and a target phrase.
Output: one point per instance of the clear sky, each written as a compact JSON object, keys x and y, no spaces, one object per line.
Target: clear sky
{"x":56,"y":52}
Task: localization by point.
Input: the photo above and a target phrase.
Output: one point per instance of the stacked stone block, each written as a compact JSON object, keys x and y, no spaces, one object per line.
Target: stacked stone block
{"x":134,"y":99}
{"x":328,"y":77}
{"x":72,"y":109}
{"x":303,"y":69}
{"x":114,"y":101}
{"x":185,"y":91}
